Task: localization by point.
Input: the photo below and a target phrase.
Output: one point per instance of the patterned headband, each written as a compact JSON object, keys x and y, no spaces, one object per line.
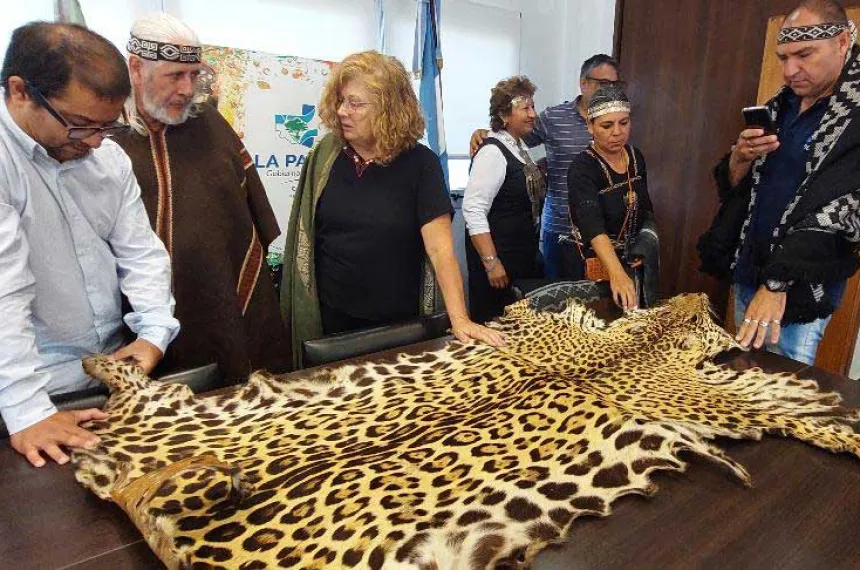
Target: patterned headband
{"x":823,"y":31}
{"x":162,"y":51}
{"x":609,"y":107}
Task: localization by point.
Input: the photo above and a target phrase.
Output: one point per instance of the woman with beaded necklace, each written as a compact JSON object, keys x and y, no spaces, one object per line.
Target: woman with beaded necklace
{"x":609,"y":203}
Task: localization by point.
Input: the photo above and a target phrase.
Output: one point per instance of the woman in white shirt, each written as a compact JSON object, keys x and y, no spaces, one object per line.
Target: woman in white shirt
{"x":503,"y":202}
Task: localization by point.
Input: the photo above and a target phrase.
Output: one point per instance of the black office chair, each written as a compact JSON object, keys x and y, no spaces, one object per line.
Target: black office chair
{"x":200,"y":379}
{"x":553,"y":296}
{"x":332,"y":348}
{"x":543,"y":295}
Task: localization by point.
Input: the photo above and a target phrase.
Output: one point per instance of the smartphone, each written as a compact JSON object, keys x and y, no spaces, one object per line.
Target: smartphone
{"x":759,"y":118}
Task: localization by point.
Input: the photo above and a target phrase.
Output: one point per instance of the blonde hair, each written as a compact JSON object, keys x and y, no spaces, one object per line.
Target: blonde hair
{"x":397,"y":124}
{"x":158,"y":27}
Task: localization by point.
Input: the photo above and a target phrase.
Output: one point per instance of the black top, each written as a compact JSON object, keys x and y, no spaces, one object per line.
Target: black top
{"x":598,"y":207}
{"x":369,"y":250}
{"x":514,"y":235}
{"x":510,"y":216}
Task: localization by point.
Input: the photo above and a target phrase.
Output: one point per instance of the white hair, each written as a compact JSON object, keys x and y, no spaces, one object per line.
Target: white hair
{"x":158,"y":27}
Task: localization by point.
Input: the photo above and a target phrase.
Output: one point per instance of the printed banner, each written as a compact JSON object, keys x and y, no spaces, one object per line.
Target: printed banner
{"x":271,"y":102}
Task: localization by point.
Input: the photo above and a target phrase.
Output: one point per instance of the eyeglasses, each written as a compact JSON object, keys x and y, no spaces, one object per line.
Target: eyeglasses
{"x":76,"y":133}
{"x":607,"y":82}
{"x":352,"y":105}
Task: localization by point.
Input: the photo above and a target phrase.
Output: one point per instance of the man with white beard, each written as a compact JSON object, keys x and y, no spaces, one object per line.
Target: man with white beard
{"x":206,"y":202}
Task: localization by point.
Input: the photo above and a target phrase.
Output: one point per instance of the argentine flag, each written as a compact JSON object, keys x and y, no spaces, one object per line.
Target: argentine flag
{"x":427,"y":66}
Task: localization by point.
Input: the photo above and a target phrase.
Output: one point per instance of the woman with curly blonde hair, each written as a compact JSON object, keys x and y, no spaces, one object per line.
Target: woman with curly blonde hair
{"x":371,"y":202}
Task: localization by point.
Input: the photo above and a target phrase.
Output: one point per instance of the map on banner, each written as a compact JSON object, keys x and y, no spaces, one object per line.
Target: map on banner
{"x":271,"y":101}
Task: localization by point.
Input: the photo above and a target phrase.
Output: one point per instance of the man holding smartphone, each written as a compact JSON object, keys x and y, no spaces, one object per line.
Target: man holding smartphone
{"x":798,"y":242}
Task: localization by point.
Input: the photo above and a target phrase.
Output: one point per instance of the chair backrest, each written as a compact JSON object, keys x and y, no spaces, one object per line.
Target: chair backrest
{"x":544,"y":296}
{"x":200,"y":379}
{"x":341,"y":346}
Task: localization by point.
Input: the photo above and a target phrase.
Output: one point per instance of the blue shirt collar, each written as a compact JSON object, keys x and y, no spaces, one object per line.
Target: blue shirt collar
{"x":792,"y":101}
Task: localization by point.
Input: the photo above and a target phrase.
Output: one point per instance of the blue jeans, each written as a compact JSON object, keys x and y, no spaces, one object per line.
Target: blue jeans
{"x":797,"y":341}
{"x":551,"y":255}
{"x":561,"y":259}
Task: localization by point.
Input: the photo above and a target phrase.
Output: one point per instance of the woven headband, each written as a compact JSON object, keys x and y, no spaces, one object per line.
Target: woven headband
{"x":606,"y":108}
{"x":823,"y":31}
{"x":162,"y":51}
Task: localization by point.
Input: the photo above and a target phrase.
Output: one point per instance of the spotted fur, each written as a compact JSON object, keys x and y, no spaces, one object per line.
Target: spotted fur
{"x":467,"y":458}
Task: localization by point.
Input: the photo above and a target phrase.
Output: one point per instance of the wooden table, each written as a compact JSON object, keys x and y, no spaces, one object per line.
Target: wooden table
{"x":802,"y":513}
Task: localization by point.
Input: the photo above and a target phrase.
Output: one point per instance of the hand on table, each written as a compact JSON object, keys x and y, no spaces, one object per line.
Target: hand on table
{"x":762,"y":316}
{"x":623,"y":290}
{"x":59,"y":429}
{"x":465,"y":330}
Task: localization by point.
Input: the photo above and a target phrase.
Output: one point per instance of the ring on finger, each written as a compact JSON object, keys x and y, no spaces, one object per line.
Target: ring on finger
{"x":747,"y":321}
{"x":775,"y":322}
{"x":763,"y":324}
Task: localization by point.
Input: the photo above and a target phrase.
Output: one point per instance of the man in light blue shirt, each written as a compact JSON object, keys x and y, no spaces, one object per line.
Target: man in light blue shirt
{"x":74,"y":235}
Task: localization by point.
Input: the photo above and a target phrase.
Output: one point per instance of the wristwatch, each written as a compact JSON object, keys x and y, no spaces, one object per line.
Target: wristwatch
{"x":777,"y":286}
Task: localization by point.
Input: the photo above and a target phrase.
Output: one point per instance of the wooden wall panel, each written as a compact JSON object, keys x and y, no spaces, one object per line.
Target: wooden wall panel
{"x":691,"y":66}
{"x":687,"y":83}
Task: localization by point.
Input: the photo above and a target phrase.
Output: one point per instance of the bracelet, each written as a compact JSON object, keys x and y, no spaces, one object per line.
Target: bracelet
{"x":492,"y":260}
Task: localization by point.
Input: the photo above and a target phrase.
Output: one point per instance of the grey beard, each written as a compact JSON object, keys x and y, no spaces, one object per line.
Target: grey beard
{"x":159,"y":113}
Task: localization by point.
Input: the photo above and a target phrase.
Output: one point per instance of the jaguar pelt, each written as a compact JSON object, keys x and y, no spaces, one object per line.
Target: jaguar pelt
{"x":467,"y":458}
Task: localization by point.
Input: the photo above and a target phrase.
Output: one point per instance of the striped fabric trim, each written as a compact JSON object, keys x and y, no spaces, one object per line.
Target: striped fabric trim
{"x":164,"y":213}
{"x":247,"y":161}
{"x":250,"y":271}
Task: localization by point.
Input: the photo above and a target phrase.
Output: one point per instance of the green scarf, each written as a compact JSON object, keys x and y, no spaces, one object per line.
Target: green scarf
{"x":300,"y":306}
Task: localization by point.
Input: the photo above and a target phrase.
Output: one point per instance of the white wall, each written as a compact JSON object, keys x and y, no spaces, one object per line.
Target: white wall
{"x":480,"y":45}
{"x":557,"y":36}
{"x":483,"y":40}
{"x":17,"y":13}
{"x":113,"y":18}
